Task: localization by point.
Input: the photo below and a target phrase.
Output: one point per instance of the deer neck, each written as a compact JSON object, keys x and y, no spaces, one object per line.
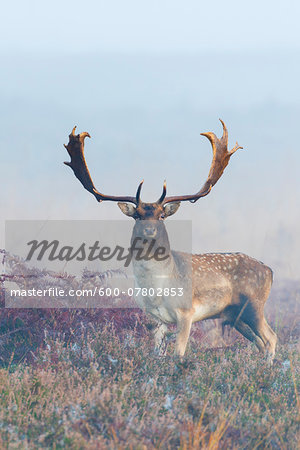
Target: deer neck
{"x":151,"y":255}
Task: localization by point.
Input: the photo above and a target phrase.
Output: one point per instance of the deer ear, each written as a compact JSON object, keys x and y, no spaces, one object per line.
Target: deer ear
{"x":127,"y":208}
{"x":171,"y":208}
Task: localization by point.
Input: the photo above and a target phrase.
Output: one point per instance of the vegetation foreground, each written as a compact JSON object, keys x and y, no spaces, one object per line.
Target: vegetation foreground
{"x":88,"y":379}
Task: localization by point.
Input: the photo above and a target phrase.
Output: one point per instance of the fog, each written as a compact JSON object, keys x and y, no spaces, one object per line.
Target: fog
{"x":145,"y":113}
{"x":144,"y":79}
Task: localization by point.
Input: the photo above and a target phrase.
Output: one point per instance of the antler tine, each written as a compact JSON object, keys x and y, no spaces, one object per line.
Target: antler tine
{"x":162,"y":197}
{"x":138,"y":193}
{"x":225,"y":132}
{"x":78,"y":164}
{"x":221,"y":157}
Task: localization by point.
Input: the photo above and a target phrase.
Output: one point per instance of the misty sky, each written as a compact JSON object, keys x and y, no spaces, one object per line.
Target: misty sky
{"x":145,"y":79}
{"x":157,"y":26}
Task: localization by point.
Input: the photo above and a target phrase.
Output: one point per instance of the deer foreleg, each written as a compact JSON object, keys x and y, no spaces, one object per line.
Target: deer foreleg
{"x":183,"y":332}
{"x":159,"y":339}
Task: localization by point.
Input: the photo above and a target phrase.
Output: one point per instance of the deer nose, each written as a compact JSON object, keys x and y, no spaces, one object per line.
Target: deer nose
{"x":150,"y":231}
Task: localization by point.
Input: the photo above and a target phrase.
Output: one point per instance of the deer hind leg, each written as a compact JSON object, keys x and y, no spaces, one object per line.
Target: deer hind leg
{"x":183,"y":332}
{"x":272,"y":341}
{"x":262,"y":329}
{"x":257,"y":330}
{"x":247,"y":331}
{"x":159,"y":339}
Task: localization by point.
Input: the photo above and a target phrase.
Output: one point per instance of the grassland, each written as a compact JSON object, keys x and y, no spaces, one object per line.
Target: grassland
{"x":89,"y":379}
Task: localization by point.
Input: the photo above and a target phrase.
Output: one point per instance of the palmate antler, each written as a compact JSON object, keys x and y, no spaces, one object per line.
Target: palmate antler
{"x":221,"y":157}
{"x":78,"y":164}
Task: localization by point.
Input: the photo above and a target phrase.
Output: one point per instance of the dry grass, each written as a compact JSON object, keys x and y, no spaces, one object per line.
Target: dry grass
{"x":88,"y":379}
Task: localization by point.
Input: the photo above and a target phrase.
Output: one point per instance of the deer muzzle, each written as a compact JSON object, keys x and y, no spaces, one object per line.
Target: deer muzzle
{"x":149,"y":231}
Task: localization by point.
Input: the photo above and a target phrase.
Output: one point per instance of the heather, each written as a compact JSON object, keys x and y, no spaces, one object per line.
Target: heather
{"x":88,"y":378}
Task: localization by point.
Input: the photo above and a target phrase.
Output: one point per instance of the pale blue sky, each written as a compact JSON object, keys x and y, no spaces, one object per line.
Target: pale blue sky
{"x":156,"y":26}
{"x":145,"y":79}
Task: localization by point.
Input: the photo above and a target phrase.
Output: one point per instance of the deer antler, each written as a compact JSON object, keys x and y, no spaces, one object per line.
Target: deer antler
{"x":221,"y":157}
{"x":78,"y":164}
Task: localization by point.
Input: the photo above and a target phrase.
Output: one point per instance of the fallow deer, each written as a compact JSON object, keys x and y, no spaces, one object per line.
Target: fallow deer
{"x":231,"y":286}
